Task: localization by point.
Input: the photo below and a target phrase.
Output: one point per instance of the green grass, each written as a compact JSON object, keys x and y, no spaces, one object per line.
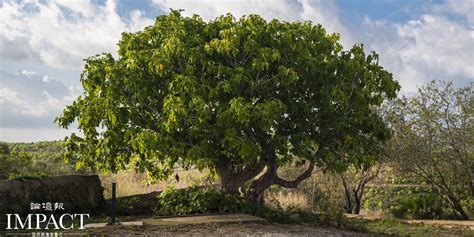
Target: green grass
{"x":396,"y":227}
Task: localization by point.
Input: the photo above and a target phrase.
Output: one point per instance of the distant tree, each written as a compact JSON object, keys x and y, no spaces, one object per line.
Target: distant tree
{"x":354,"y":182}
{"x":4,"y":149}
{"x":434,"y":140}
{"x":355,"y":179}
{"x":242,"y":97}
{"x":13,"y":164}
{"x":44,"y":159}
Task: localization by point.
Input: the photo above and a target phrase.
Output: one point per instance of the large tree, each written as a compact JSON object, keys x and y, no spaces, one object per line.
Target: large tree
{"x":242,"y":97}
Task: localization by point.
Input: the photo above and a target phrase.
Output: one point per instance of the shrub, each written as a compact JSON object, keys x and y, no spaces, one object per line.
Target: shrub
{"x":32,"y":176}
{"x":140,"y":204}
{"x":418,"y":206}
{"x":198,"y":200}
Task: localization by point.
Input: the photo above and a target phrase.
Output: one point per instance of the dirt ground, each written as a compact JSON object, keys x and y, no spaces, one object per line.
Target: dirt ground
{"x":221,"y":229}
{"x":443,"y":223}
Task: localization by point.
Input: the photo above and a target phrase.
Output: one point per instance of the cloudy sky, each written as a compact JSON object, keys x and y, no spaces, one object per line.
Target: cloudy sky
{"x":43,"y":44}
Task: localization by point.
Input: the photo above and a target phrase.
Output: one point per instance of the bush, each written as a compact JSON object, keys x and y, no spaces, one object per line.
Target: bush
{"x":140,"y":204}
{"x":418,"y":206}
{"x":198,"y":200}
{"x":32,"y":176}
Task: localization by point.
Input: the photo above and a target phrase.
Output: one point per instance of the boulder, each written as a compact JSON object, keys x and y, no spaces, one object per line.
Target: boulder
{"x":77,"y":193}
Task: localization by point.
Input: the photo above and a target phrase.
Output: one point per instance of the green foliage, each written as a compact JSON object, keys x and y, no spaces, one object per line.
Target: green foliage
{"x":185,"y":92}
{"x":26,"y":176}
{"x":204,"y":200}
{"x":141,"y":204}
{"x":393,"y":227}
{"x":418,"y":206}
{"x":4,"y":149}
{"x":433,"y":140}
{"x":33,"y":160}
{"x":15,"y":164}
{"x":198,"y":200}
{"x":409,"y":202}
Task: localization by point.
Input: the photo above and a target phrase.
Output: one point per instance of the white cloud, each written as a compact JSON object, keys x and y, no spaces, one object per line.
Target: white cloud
{"x":208,"y":9}
{"x":62,"y":33}
{"x":34,"y":134}
{"x":431,"y":47}
{"x":18,"y":103}
{"x":28,"y":100}
{"x":464,"y":8}
{"x":47,"y":79}
{"x":317,"y":11}
{"x":26,"y":73}
{"x":327,"y":14}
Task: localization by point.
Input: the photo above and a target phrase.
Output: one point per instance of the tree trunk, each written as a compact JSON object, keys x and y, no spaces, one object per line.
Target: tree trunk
{"x":357,"y":201}
{"x":456,"y":205}
{"x":228,"y":183}
{"x":255,"y":193}
{"x":258,"y":186}
{"x":270,"y":177}
{"x":232,"y":181}
{"x":230,"y":187}
{"x":347,"y":196}
{"x":353,"y":197}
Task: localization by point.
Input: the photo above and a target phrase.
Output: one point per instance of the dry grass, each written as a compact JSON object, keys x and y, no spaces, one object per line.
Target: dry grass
{"x":130,"y":182}
{"x":288,"y":199}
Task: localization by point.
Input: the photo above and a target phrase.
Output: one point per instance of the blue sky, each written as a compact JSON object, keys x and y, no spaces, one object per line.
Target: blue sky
{"x":43,"y":43}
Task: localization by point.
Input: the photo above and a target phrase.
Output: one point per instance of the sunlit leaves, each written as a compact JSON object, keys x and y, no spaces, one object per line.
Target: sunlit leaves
{"x":193,"y":93}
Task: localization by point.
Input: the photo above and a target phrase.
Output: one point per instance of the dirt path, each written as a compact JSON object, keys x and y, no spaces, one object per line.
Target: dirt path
{"x":223,"y":229}
{"x":212,"y":225}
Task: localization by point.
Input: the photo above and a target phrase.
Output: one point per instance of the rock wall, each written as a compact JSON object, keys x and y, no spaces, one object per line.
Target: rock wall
{"x":79,"y":194}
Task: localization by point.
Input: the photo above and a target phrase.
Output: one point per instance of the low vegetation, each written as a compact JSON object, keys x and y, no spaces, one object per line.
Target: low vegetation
{"x":202,"y":200}
{"x":34,"y":160}
{"x":399,"y":228}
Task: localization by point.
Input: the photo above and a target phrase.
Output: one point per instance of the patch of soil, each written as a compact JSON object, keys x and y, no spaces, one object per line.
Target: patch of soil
{"x":222,"y":229}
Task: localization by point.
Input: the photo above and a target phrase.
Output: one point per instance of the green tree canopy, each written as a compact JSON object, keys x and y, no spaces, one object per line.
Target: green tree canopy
{"x":241,"y":97}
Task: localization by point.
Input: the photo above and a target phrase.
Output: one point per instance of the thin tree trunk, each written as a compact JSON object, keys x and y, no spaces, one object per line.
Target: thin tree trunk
{"x":347,"y":195}
{"x":358,"y":199}
{"x":456,"y":205}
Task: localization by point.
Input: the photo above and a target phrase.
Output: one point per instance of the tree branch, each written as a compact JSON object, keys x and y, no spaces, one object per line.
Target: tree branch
{"x":294,"y":183}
